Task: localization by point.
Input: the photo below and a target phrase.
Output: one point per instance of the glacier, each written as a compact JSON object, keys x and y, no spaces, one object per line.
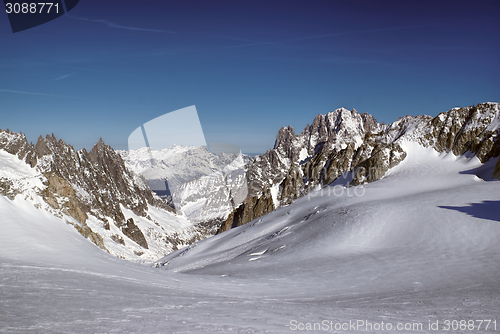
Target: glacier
{"x":419,"y":247}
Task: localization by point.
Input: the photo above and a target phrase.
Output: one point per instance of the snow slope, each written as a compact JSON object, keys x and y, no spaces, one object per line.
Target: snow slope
{"x":160,"y":227}
{"x":419,"y":246}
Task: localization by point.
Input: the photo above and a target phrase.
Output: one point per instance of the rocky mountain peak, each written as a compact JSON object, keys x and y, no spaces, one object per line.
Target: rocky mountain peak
{"x":17,"y":144}
{"x":370,"y":124}
{"x":103,"y":153}
{"x":346,"y":141}
{"x":285,"y":136}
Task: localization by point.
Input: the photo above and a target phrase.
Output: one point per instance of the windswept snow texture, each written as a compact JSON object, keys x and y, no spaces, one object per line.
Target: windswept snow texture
{"x":421,"y":245}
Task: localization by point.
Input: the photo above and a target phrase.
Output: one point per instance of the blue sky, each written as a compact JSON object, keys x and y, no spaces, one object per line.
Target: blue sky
{"x":250,"y":67}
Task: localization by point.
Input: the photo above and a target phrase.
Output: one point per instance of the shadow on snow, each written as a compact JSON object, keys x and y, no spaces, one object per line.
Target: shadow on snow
{"x":484,"y":210}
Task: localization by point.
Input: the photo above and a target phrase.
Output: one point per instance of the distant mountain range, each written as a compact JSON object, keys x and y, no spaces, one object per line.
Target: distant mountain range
{"x":106,"y":194}
{"x":206,"y":187}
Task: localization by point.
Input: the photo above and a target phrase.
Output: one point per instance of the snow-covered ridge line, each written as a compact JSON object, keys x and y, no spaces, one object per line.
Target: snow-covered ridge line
{"x":96,"y":193}
{"x":345,"y":141}
{"x":108,"y":203}
{"x":202,"y":185}
{"x":316,"y":226}
{"x":179,"y":164}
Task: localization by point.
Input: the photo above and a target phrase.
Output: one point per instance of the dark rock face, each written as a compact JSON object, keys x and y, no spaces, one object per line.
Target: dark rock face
{"x":292,"y":185}
{"x":58,"y":187}
{"x":133,"y":232}
{"x":465,"y":129}
{"x":345,"y":141}
{"x":380,"y":161}
{"x":337,"y":164}
{"x":255,"y":206}
{"x":235,"y":218}
{"x":102,"y":174}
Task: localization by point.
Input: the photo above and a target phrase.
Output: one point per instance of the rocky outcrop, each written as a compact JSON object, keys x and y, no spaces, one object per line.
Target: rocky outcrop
{"x":87,"y":233}
{"x":460,"y":130}
{"x":16,"y":144}
{"x":59,"y":194}
{"x":101,"y":176}
{"x":344,"y":141}
{"x":134,"y":233}
{"x":380,"y":161}
{"x":94,"y":191}
{"x":292,"y":185}
{"x":256,"y":206}
{"x":337,"y":164}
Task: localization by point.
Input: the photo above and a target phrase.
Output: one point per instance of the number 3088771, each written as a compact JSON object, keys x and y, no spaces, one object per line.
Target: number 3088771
{"x":31,"y":8}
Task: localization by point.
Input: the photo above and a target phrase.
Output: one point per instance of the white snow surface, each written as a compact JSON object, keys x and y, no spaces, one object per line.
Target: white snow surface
{"x":419,"y":246}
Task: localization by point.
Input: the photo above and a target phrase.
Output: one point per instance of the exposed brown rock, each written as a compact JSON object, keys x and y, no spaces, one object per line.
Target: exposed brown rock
{"x":337,"y":164}
{"x":133,"y":232}
{"x":292,"y":185}
{"x":59,"y":194}
{"x":464,"y":129}
{"x":87,"y":233}
{"x":381,"y":160}
{"x":7,"y":188}
{"x":118,"y":239}
{"x":255,"y":207}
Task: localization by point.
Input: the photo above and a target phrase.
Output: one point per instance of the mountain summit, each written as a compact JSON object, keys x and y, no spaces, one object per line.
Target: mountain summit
{"x":345,"y":143}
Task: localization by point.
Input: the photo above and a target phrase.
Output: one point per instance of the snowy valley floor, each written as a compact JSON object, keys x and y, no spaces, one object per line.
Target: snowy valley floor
{"x":421,"y":245}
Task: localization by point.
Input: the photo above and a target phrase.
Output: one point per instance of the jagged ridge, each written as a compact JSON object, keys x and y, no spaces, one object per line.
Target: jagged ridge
{"x":345,"y":141}
{"x":100,"y":197}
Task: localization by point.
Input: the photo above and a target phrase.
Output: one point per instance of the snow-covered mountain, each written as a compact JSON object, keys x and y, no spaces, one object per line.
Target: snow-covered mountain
{"x":177,"y":165}
{"x":95,"y":192}
{"x":204,"y":186}
{"x":418,"y":248}
{"x":433,"y":202}
{"x":107,"y":200}
{"x":344,"y":146}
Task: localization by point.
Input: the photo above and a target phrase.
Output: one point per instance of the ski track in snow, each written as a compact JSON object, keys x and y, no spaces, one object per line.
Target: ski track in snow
{"x":421,"y":245}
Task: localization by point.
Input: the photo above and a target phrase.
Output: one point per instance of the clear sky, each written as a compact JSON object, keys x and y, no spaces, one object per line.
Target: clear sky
{"x":250,"y":67}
